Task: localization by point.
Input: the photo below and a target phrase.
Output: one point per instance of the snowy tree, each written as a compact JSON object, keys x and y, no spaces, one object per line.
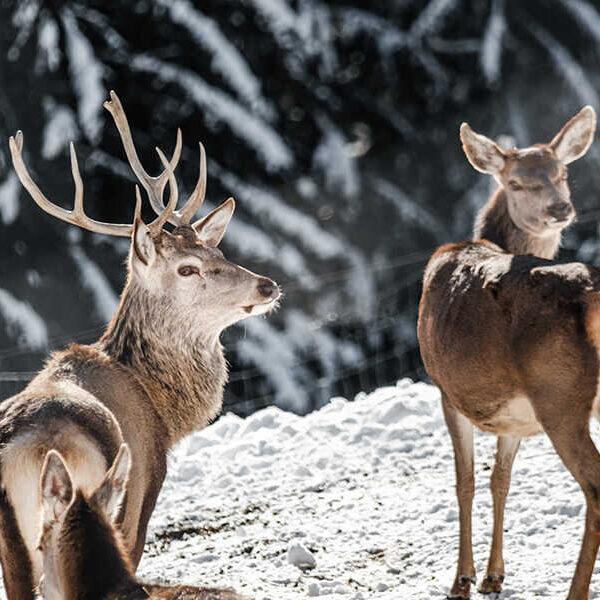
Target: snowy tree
{"x":334,"y":126}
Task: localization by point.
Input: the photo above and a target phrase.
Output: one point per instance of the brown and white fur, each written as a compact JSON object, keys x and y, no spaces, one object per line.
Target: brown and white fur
{"x":83,"y":554}
{"x":482,"y":347}
{"x":156,"y":374}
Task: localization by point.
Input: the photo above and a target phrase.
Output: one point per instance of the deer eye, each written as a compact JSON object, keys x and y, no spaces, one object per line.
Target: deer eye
{"x":188,"y":270}
{"x":513,"y":185}
{"x":216,"y":271}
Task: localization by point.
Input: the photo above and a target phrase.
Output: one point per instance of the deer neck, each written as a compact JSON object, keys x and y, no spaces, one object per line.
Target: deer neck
{"x":93,"y":557}
{"x":183,"y":371}
{"x":495,"y":224}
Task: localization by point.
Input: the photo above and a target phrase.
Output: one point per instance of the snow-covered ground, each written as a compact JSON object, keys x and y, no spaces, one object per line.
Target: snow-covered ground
{"x":367,"y":487}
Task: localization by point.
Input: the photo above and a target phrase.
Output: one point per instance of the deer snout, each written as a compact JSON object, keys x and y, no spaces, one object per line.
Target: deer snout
{"x":267,"y":288}
{"x":561,"y":210}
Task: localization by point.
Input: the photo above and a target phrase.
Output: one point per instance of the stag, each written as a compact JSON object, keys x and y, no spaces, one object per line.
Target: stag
{"x":156,"y":374}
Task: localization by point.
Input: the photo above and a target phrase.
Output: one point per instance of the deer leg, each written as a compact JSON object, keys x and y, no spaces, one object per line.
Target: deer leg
{"x":500,"y":484}
{"x":461,"y":433}
{"x":14,"y":557}
{"x":570,"y":436}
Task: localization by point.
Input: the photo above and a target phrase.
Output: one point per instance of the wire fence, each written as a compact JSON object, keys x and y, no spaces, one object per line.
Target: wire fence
{"x":248,"y":387}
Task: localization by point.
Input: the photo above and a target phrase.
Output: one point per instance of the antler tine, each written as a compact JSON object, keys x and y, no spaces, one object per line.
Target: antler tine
{"x":77,"y":216}
{"x":194,"y":202}
{"x":167,"y":213}
{"x":154,"y":186}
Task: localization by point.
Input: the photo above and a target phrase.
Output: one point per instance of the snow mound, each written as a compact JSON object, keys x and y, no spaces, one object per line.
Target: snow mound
{"x":355,"y":500}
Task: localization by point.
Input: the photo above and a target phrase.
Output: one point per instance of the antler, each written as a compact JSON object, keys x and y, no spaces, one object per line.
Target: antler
{"x":77,"y":216}
{"x":155,"y":186}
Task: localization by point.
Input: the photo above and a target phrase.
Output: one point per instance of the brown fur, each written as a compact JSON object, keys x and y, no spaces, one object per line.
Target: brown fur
{"x":494,"y":327}
{"x":153,"y":377}
{"x":94,"y":564}
{"x":494,"y":223}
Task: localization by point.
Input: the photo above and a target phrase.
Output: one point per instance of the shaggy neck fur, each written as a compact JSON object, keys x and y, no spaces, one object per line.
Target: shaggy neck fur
{"x":183,"y":371}
{"x":495,"y":224}
{"x":94,"y":563}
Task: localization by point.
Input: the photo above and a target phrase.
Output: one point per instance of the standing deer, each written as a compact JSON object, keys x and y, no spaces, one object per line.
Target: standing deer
{"x":482,"y":343}
{"x":82,"y":551}
{"x":155,"y":375}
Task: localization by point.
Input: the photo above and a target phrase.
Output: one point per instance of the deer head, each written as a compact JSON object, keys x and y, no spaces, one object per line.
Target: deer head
{"x":534,"y":179}
{"x":78,"y":531}
{"x":182,"y":270}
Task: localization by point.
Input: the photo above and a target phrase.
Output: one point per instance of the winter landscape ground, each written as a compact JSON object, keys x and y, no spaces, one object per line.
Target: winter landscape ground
{"x":355,"y":500}
{"x":360,"y":497}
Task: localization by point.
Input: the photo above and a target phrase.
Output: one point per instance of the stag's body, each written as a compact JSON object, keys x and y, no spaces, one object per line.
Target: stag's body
{"x":493,"y":341}
{"x":157,"y":373}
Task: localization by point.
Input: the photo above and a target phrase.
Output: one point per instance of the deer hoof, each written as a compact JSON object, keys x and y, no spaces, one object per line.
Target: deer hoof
{"x":461,"y":590}
{"x":492,"y":584}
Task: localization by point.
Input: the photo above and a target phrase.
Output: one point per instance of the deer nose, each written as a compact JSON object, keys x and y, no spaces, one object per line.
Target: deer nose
{"x":268,"y":288}
{"x":560,"y":210}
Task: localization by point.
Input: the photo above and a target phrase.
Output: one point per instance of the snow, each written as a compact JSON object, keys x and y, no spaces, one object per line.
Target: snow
{"x":245,"y":124}
{"x":333,"y":158}
{"x":354,"y":500}
{"x":22,"y":321}
{"x":227,"y":60}
{"x":93,"y":279}
{"x":367,"y":489}
{"x":48,"y":44}
{"x":60,"y":129}
{"x":586,"y":15}
{"x":87,"y":74}
{"x":567,"y":66}
{"x":410,"y":211}
{"x":491,"y":46}
{"x":10,"y":189}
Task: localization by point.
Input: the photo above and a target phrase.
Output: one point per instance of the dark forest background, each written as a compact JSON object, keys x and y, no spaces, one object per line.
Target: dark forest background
{"x":335,"y":126}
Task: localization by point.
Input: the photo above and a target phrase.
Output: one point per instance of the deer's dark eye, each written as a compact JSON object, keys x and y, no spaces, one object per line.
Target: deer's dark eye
{"x":513,"y":185}
{"x":188,"y":270}
{"x":216,"y":271}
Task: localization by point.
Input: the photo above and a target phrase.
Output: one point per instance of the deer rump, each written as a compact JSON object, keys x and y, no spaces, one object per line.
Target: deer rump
{"x":514,"y":326}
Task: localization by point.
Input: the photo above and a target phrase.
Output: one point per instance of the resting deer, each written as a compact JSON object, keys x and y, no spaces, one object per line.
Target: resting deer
{"x":490,"y":335}
{"x":155,"y":375}
{"x":83,"y":555}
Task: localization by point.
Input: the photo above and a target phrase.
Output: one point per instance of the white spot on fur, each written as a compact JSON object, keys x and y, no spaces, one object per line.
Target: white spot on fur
{"x":516,"y":418}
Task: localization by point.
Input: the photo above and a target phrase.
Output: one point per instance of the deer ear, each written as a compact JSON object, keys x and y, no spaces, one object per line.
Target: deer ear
{"x":576,"y":137}
{"x":484,"y":154}
{"x":211,"y":228}
{"x":56,"y":487}
{"x":109,"y":495}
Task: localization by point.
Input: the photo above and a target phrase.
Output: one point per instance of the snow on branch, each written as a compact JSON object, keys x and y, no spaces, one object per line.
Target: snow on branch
{"x":410,"y":212}
{"x":22,"y":321}
{"x":491,"y":47}
{"x":567,"y":66}
{"x":431,"y":19}
{"x":334,"y":160}
{"x":87,"y":75}
{"x":227,"y":60}
{"x":257,"y":134}
{"x":290,"y":221}
{"x":586,"y":15}
{"x":354,"y":22}
{"x":94,"y":280}
{"x":9,"y":199}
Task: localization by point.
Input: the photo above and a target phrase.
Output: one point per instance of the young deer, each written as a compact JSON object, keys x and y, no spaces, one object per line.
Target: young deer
{"x":532,"y":204}
{"x":483,"y":347}
{"x":155,"y":375}
{"x":83,"y":555}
